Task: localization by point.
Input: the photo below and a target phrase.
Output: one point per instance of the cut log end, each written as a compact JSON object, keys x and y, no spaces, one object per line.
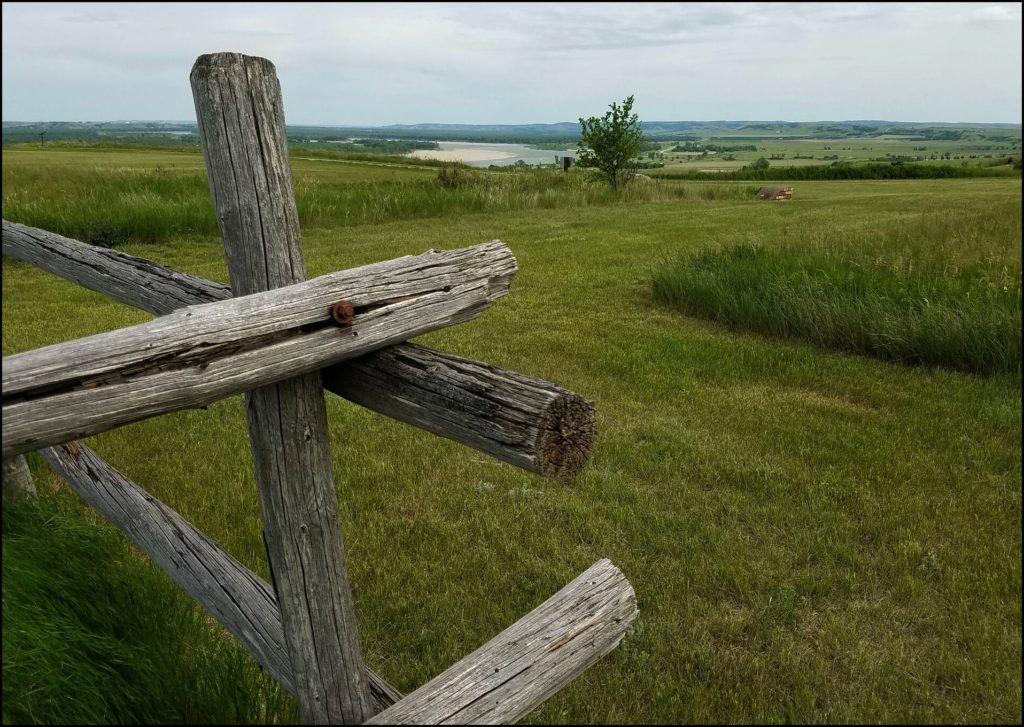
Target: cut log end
{"x":566,"y":436}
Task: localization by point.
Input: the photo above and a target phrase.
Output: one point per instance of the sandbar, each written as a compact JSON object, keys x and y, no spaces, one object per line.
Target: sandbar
{"x":462,"y":155}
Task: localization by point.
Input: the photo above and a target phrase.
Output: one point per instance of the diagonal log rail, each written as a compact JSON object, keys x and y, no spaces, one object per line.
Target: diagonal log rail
{"x":242,"y":602}
{"x":199,"y":354}
{"x":128,"y":279}
{"x":526,"y":663}
{"x":499,"y":683}
{"x":528,"y":422}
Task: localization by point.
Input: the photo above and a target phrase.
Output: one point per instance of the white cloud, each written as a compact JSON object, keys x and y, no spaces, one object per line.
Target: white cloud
{"x":516,"y":63}
{"x":999,"y":13}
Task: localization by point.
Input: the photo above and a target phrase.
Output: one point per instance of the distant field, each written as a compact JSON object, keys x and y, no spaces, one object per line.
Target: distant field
{"x":813,"y":536}
{"x":972,"y":151}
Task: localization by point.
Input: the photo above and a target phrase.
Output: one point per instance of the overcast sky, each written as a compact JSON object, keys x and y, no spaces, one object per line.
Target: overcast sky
{"x":373,"y":64}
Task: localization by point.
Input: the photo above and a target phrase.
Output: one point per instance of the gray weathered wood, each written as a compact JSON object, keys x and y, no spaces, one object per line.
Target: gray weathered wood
{"x":241,"y":126}
{"x":17,"y":479}
{"x":237,"y":598}
{"x":199,"y":354}
{"x":528,"y":422}
{"x":528,"y":662}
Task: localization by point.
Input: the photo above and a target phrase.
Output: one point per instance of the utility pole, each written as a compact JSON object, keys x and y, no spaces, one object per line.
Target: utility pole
{"x":42,"y":141}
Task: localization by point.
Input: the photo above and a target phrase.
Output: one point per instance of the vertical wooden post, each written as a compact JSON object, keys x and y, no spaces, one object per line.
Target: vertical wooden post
{"x":241,"y":125}
{"x":17,"y":479}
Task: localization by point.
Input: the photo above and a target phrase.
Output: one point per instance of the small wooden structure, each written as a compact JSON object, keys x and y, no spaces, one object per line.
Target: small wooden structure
{"x":281,"y":339}
{"x":17,"y":479}
{"x":775,"y":193}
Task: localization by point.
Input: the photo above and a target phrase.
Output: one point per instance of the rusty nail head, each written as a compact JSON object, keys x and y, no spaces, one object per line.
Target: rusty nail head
{"x":342,"y":312}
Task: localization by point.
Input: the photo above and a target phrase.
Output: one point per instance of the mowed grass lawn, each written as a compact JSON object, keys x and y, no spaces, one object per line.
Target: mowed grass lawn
{"x":812,"y":536}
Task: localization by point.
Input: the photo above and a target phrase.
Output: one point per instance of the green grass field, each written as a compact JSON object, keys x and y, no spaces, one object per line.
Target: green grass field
{"x":812,"y":535}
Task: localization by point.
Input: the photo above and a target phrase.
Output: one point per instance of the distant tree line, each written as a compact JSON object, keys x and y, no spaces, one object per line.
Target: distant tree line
{"x":845,"y":170}
{"x":367,"y":146}
{"x":561,"y":141}
{"x":190,"y":142}
{"x":696,"y":146}
{"x":98,"y":138}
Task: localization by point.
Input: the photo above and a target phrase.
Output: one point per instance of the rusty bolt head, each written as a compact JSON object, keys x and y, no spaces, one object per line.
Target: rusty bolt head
{"x":342,"y":312}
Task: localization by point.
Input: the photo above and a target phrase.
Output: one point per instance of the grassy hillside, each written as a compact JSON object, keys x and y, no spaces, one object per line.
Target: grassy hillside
{"x":812,"y":535}
{"x":117,"y":196}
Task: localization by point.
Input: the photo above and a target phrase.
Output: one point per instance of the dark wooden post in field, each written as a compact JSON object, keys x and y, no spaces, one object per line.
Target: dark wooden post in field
{"x":17,"y":479}
{"x":241,"y":126}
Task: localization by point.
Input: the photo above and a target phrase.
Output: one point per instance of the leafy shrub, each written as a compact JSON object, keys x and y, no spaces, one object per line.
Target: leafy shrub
{"x":453,"y":177}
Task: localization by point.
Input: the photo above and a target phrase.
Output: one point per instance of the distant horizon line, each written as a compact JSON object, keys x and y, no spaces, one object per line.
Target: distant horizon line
{"x":186,"y":122}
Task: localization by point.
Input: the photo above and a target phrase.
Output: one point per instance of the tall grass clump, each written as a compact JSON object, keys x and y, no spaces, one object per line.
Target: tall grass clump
{"x":110,"y":207}
{"x":122,"y":645}
{"x":942,"y":289}
{"x":455,"y":191}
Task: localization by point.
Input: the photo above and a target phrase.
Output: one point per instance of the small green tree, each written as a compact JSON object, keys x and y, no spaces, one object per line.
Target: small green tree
{"x":761,"y":163}
{"x":611,"y":143}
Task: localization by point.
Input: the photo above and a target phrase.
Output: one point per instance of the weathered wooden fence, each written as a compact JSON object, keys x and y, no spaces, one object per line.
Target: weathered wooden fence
{"x":280,"y":341}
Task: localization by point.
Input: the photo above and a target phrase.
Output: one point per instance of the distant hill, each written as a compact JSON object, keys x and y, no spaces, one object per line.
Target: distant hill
{"x":184,"y":132}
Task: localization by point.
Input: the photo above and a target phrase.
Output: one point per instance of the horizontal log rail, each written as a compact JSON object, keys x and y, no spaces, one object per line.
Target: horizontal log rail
{"x":199,"y":354}
{"x":525,"y":421}
{"x":521,"y":667}
{"x":237,"y":598}
{"x":136,"y":281}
